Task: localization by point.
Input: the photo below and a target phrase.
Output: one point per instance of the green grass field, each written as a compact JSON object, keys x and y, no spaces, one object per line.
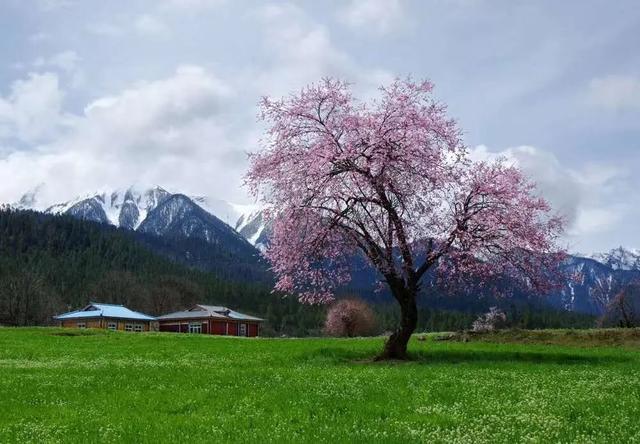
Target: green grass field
{"x":56,"y":386}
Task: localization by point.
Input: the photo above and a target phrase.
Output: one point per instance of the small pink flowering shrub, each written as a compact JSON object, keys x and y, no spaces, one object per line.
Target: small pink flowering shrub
{"x":494,"y":319}
{"x":350,"y":317}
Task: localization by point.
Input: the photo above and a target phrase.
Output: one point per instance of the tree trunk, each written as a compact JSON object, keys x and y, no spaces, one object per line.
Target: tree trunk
{"x":396,"y":345}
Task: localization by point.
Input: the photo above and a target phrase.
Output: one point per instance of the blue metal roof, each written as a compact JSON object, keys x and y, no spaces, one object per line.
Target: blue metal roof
{"x":98,"y":310}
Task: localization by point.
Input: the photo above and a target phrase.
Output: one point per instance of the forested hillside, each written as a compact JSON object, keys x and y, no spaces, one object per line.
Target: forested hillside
{"x":50,"y":264}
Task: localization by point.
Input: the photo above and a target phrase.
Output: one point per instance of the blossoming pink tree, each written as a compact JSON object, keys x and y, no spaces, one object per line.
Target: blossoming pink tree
{"x":391,"y":179}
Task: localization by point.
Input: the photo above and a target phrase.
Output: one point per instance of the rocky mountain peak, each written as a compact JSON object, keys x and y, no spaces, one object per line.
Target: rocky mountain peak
{"x":620,"y":258}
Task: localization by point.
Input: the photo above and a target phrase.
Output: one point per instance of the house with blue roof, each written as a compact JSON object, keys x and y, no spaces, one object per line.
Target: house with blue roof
{"x":108,"y":316}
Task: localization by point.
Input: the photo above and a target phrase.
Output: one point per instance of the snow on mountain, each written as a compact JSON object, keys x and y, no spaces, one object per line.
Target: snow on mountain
{"x":253,"y":226}
{"x":619,"y":258}
{"x":129,"y":208}
{"x":180,"y":216}
{"x":245,"y":214}
{"x":246,"y":219}
{"x":223,"y":210}
{"x":122,"y":208}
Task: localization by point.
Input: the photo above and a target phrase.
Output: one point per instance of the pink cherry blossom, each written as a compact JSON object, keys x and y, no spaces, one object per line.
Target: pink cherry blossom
{"x":390,"y":179}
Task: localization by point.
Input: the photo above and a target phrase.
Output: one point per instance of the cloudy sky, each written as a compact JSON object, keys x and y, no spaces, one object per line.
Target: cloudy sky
{"x":101,"y":95}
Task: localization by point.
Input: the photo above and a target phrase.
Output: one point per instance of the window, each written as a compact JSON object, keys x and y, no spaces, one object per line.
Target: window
{"x":82,"y":325}
{"x":195,"y":328}
{"x":112,"y":326}
{"x":138,"y":327}
{"x":128,"y":327}
{"x":242,"y":330}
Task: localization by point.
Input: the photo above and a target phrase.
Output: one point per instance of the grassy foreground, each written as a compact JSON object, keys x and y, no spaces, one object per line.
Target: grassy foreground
{"x":108,"y":386}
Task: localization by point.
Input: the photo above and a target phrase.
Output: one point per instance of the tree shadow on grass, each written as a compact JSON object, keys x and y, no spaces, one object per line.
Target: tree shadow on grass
{"x":481,"y":357}
{"x":497,"y":357}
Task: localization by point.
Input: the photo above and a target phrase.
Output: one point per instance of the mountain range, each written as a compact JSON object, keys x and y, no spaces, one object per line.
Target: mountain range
{"x":241,"y":230}
{"x":158,"y":211}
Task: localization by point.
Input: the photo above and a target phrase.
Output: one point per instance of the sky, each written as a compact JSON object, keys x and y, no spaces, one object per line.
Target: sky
{"x":99,"y":95}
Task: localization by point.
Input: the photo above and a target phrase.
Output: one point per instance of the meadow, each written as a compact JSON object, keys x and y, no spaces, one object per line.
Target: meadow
{"x":96,"y":386}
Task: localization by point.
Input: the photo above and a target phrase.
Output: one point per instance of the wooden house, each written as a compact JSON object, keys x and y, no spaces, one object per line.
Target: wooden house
{"x":211,"y":319}
{"x":107,"y":316}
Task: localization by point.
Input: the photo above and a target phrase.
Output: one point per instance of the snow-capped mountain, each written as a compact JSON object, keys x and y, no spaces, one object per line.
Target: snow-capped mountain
{"x":179,"y":215}
{"x":620,"y":258}
{"x":246,"y":219}
{"x":593,"y":286}
{"x":122,"y":208}
{"x":133,"y":207}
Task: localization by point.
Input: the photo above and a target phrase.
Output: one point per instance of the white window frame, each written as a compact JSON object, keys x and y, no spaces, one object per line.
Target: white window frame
{"x":113,"y":326}
{"x":128,"y":327}
{"x":243,"y":329}
{"x":195,"y":327}
{"x":81,"y":325}
{"x":138,"y":328}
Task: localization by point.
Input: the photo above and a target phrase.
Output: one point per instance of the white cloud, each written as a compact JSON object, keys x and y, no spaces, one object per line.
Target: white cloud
{"x":301,"y":52}
{"x":66,"y":61}
{"x":105,"y":29}
{"x":191,"y":5}
{"x":374,"y":15}
{"x":50,"y":5}
{"x":151,"y":26}
{"x":596,"y":220}
{"x":615,"y":92}
{"x":591,"y":197}
{"x":39,"y":37}
{"x":32,"y":111}
{"x":147,"y":25}
{"x":188,"y":95}
{"x":171,"y":132}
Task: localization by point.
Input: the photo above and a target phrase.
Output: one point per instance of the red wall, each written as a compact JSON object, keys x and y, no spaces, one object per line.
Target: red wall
{"x":219,"y":328}
{"x":253,"y":330}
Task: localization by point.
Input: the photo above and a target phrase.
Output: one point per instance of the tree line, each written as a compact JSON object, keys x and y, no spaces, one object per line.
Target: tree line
{"x":51,"y":264}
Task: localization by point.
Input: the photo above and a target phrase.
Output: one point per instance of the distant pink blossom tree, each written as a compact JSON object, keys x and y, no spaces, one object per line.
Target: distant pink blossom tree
{"x":392,"y":180}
